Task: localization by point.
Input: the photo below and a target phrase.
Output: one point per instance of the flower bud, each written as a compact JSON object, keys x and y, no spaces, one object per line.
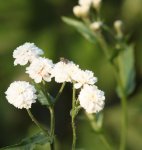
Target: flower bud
{"x":81,"y":11}
{"x":118,"y":24}
{"x":96,"y":26}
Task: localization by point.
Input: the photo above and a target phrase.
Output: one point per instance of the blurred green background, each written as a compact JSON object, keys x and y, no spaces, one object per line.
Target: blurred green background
{"x":39,"y":21}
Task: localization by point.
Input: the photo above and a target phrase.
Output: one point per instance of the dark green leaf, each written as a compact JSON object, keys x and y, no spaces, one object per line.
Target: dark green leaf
{"x":29,"y":143}
{"x":81,"y":27}
{"x":127,"y":69}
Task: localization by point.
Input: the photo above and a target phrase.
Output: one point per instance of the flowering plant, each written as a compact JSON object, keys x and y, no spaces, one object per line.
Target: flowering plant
{"x":85,"y":93}
{"x":42,"y":70}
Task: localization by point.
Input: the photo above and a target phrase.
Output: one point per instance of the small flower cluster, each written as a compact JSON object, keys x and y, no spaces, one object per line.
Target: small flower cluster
{"x":21,"y":94}
{"x":83,"y":9}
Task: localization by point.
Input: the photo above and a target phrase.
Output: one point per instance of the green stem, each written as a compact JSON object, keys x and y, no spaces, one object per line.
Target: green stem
{"x":52,"y":127}
{"x":123,"y":95}
{"x":105,"y":142}
{"x":92,"y":121}
{"x":37,"y":123}
{"x":73,"y":120}
{"x":124,"y":123}
{"x":124,"y":115}
{"x":60,"y":91}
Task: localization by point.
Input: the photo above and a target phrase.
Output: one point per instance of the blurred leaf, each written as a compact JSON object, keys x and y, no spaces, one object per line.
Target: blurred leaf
{"x":81,"y":27}
{"x":127,"y":69}
{"x":29,"y":143}
{"x":42,"y":98}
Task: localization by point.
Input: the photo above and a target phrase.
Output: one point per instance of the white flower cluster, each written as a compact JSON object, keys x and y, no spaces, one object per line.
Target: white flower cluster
{"x":83,"y":8}
{"x":70,"y":72}
{"x":21,"y":94}
{"x":26,"y":53}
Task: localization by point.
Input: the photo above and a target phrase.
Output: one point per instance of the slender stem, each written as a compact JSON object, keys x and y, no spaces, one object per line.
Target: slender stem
{"x":37,"y":123}
{"x":52,"y":127}
{"x":105,"y":142}
{"x":60,"y":91}
{"x":92,"y":121}
{"x":124,"y":123}
{"x":123,"y":95}
{"x":124,"y":115}
{"x":73,"y":120}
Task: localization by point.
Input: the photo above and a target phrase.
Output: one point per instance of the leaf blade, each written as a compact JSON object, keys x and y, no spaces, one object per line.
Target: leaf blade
{"x":80,"y":27}
{"x":127,"y":69}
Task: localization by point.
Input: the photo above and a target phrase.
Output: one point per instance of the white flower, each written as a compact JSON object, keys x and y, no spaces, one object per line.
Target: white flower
{"x":91,"y":99}
{"x":63,"y":71}
{"x":26,"y":53}
{"x":82,"y":77}
{"x":39,"y":69}
{"x":21,"y":94}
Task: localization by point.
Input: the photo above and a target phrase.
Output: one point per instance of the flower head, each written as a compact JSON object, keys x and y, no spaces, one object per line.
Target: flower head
{"x":82,"y":77}
{"x":21,"y":94}
{"x":26,"y":53}
{"x":63,"y":71}
{"x":40,"y":69}
{"x":91,"y":99}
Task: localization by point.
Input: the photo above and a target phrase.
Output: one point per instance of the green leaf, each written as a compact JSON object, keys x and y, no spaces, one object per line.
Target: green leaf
{"x":81,"y":27}
{"x":42,"y":98}
{"x":127,"y":69}
{"x":29,"y":143}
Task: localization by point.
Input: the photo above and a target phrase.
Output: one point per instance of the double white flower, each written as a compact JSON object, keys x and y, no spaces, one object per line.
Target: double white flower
{"x":26,"y":53}
{"x":82,"y":77}
{"x":91,"y":98}
{"x":63,"y":71}
{"x":21,"y":94}
{"x":39,"y":69}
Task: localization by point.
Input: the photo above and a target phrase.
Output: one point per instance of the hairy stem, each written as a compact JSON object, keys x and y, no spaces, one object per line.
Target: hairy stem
{"x":37,"y":123}
{"x":60,"y":91}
